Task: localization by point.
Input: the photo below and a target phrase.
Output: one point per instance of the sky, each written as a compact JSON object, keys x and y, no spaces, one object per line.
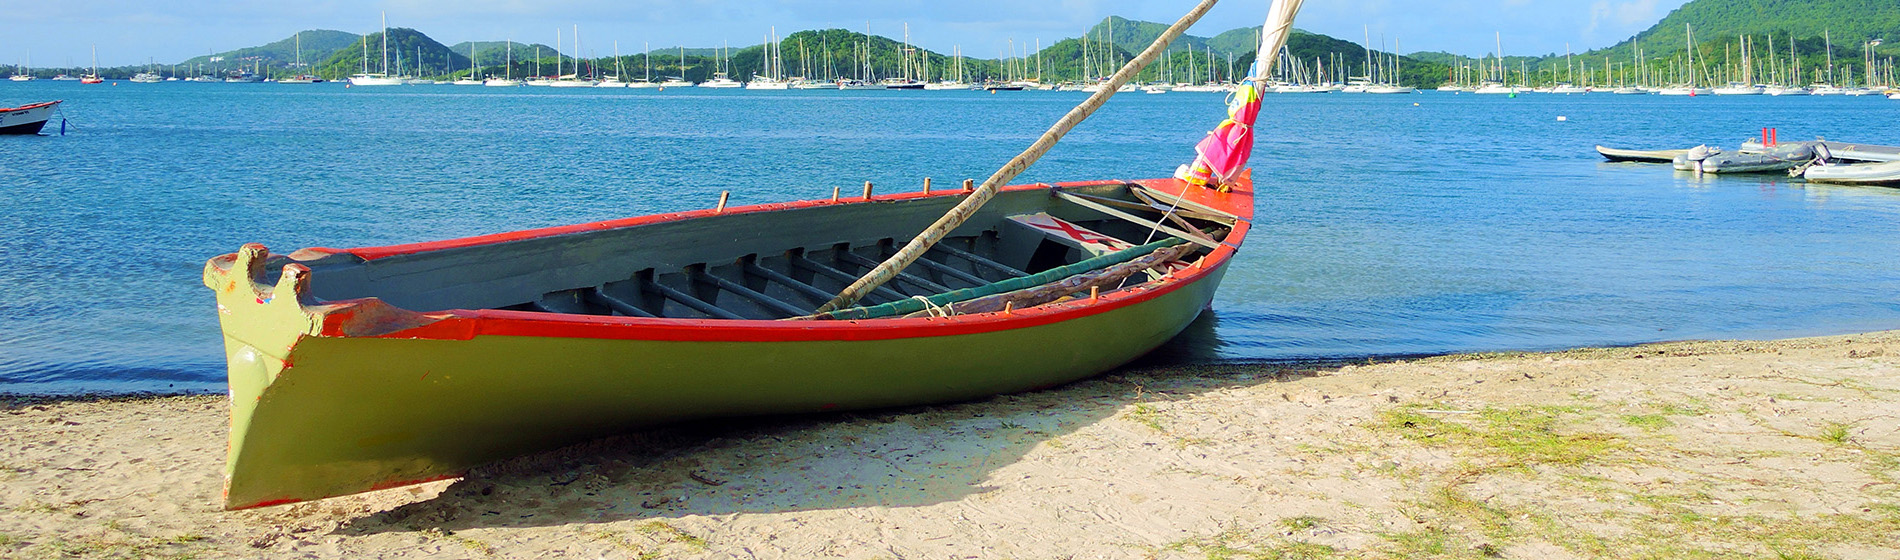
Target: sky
{"x":59,"y":32}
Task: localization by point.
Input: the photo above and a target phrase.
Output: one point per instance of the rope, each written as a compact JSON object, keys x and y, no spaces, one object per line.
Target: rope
{"x":934,"y":309}
{"x":887,"y":270}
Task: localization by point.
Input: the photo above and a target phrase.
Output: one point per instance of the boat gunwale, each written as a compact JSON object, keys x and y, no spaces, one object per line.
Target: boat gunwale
{"x":465,"y":324}
{"x":33,"y":106}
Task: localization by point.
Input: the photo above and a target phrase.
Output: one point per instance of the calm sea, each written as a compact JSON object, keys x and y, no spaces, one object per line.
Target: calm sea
{"x":1388,"y":225}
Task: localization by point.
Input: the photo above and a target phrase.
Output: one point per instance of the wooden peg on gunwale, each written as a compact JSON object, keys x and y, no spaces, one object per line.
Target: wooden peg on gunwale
{"x":926,"y":185}
{"x":867,"y":190}
{"x":969,"y":185}
{"x":835,"y":191}
{"x":723,"y":195}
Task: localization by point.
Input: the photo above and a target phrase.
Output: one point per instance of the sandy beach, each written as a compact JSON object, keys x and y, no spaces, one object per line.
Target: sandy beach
{"x":1783,"y":449}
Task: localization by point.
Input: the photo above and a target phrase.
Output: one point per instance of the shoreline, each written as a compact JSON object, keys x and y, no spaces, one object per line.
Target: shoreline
{"x":1699,"y":448}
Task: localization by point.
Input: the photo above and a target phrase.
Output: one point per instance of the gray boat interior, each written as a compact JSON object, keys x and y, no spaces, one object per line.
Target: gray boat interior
{"x":749,"y":265}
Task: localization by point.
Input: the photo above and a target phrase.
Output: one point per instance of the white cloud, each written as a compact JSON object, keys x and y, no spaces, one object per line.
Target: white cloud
{"x":1622,"y":14}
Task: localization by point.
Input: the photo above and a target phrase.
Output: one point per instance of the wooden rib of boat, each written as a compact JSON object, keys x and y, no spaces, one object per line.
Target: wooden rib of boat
{"x":26,"y":119}
{"x":357,"y":369}
{"x":1641,"y":156}
{"x":373,"y":367}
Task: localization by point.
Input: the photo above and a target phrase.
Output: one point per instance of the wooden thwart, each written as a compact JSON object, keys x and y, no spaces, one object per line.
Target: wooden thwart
{"x":1197,"y":238}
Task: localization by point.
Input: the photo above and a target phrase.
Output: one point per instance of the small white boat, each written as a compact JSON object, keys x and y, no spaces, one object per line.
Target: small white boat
{"x":855,"y":85}
{"x":501,"y":82}
{"x":146,"y":78}
{"x":1778,"y":91}
{"x":1389,"y":89}
{"x":720,"y":81}
{"x":1887,"y":173}
{"x":1894,"y":96}
{"x":26,"y":119}
{"x":1686,"y":91}
{"x":466,"y":82}
{"x":1630,"y":91}
{"x":374,"y":80}
{"x":767,"y":83}
{"x":1492,"y":88}
{"x":1640,"y":156}
{"x":611,"y":82}
{"x":643,"y":84}
{"x":946,"y":85}
{"x":1738,"y":88}
{"x":676,"y":83}
{"x":1568,"y":89}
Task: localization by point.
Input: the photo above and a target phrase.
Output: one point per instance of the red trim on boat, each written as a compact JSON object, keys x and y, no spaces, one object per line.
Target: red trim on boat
{"x":463,"y":324}
{"x":33,"y":106}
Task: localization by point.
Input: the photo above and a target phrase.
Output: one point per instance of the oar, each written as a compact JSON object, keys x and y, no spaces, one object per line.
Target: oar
{"x":887,"y":270}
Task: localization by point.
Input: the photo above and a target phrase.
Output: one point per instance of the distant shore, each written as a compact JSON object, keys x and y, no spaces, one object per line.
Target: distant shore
{"x":1784,"y":448}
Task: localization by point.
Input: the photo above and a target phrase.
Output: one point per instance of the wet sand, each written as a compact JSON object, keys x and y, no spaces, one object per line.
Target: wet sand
{"x":1786,"y":449}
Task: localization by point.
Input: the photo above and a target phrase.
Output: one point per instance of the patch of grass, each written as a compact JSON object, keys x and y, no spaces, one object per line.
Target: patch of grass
{"x":1302,"y":523}
{"x":621,"y":542}
{"x":444,"y":534}
{"x":8,"y":540}
{"x":1236,"y":544}
{"x":668,"y":533}
{"x":1694,"y":408}
{"x":1451,"y":502}
{"x":1518,"y":437}
{"x":1648,"y":422}
{"x":1835,"y":433}
{"x":109,"y":547}
{"x":1146,"y":415}
{"x":36,"y":506}
{"x":1427,"y":542}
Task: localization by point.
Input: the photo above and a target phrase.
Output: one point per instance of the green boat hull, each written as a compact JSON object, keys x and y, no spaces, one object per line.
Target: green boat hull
{"x":338,"y":396}
{"x":357,"y":414}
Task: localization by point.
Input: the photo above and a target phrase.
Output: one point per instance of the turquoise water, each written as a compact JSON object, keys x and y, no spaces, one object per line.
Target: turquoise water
{"x":1462,"y":223}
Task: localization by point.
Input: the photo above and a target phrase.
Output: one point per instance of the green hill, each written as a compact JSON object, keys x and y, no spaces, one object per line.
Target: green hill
{"x":1849,"y":22}
{"x":1239,"y":44}
{"x":405,"y":46}
{"x":318,"y":44}
{"x":495,"y":53}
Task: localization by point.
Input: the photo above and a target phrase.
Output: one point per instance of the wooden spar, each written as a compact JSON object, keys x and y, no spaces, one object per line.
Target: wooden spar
{"x":962,"y":212}
{"x":1105,"y":209}
{"x":1172,"y":214}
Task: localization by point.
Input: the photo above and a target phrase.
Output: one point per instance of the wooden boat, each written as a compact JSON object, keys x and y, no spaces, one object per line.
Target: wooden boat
{"x":1640,"y":156}
{"x":26,"y":119}
{"x":358,"y":369}
{"x":371,"y":367}
{"x":1887,"y":173}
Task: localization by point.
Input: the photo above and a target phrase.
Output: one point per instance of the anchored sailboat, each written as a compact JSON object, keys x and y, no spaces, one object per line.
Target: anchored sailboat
{"x":365,"y":78}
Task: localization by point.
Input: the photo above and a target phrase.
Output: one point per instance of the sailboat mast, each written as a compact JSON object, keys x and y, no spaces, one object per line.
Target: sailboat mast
{"x":385,"y":43}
